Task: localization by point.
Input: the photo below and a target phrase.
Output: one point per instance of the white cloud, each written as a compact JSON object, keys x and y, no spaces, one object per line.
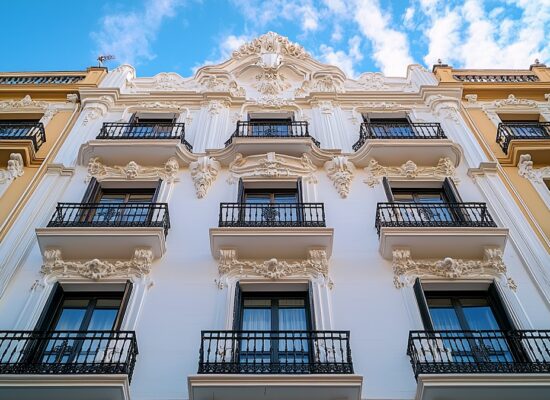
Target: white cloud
{"x":336,"y":33}
{"x":344,"y":60}
{"x":129,"y":35}
{"x":443,"y":37}
{"x":227,"y":46}
{"x":408,"y":17}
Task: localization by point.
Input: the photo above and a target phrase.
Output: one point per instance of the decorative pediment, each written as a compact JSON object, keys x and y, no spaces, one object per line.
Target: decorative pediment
{"x":133,"y":171}
{"x":340,"y":171}
{"x":204,"y":172}
{"x":406,"y":270}
{"x":138,"y":266}
{"x":271,"y":42}
{"x":272,"y":165}
{"x":375,"y":172}
{"x":315,"y":266}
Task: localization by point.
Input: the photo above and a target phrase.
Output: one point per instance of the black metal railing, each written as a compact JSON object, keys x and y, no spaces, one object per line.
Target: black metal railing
{"x":263,"y":129}
{"x":398,"y":130}
{"x":40,"y":80}
{"x":458,"y":352}
{"x":272,"y":215}
{"x":33,"y":131}
{"x":433,"y":215}
{"x":510,"y":78}
{"x":68,"y":352}
{"x":111,"y":215}
{"x":124,"y":130}
{"x":508,"y":131}
{"x":275,"y":352}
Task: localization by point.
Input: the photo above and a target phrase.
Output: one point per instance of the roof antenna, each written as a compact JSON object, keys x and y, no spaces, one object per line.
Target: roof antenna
{"x":102,"y":58}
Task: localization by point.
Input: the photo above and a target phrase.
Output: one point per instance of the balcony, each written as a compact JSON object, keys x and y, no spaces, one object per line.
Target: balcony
{"x":479,"y":365}
{"x":517,"y":138}
{"x":24,"y":138}
{"x":397,"y":143}
{"x":434,"y":230}
{"x":66,"y":365}
{"x":271,"y":230}
{"x":97,"y":230}
{"x":151,"y":144}
{"x":275,"y":365}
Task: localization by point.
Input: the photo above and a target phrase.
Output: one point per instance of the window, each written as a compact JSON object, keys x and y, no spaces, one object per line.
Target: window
{"x":15,"y":128}
{"x":390,"y":127}
{"x":149,"y":125}
{"x":270,"y":127}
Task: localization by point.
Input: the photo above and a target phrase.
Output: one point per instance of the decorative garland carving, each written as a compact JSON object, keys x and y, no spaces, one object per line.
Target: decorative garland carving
{"x":270,"y":82}
{"x":214,"y":107}
{"x":315,"y":266}
{"x":133,"y":171}
{"x":273,"y":101}
{"x":372,"y":81}
{"x":325,"y":84}
{"x":95,"y":269}
{"x":213,"y":83}
{"x":525,"y":169}
{"x":340,"y":171}
{"x":513,"y":101}
{"x":406,"y":270}
{"x":272,"y":165}
{"x":375,"y":172}
{"x":204,"y":172}
{"x":14,"y":170}
{"x":271,"y":42}
{"x":25,"y":102}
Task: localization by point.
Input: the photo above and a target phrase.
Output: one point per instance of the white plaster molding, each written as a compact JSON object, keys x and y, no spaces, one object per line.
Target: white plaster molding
{"x":372,"y":81}
{"x":536,"y":176}
{"x":547,"y":97}
{"x":214,"y":107}
{"x":270,"y":43}
{"x":471,"y":98}
{"x":93,"y":113}
{"x":273,"y":102}
{"x":514,"y":101}
{"x":204,"y":172}
{"x":72,"y":98}
{"x":138,"y":266}
{"x":315,"y":266}
{"x":406,"y":270}
{"x":14,"y":169}
{"x":24,"y":103}
{"x":271,"y":82}
{"x":159,"y":105}
{"x":133,"y":171}
{"x":340,"y":171}
{"x":325,"y":84}
{"x":272,"y":165}
{"x":325,"y":106}
{"x":444,"y":169}
{"x":213,"y":83}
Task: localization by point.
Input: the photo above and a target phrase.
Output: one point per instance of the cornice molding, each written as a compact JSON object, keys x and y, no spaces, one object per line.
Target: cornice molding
{"x":133,"y":171}
{"x":406,"y":270}
{"x":315,"y":266}
{"x":375,"y":172}
{"x":204,"y":172}
{"x":138,"y":266}
{"x":14,"y":169}
{"x":340,"y":171}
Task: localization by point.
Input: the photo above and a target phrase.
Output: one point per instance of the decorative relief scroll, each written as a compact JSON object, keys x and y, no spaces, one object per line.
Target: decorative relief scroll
{"x":340,"y":171}
{"x":514,"y":101}
{"x":406,"y":270}
{"x":133,"y":171}
{"x":204,"y":172}
{"x":14,"y":170}
{"x":96,"y":269}
{"x":272,"y":165}
{"x":526,"y":170}
{"x":315,"y":266}
{"x":375,"y":172}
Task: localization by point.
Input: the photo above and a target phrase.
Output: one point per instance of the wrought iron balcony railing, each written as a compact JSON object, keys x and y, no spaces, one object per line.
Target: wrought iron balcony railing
{"x":272,"y":215}
{"x":261,"y":129}
{"x":510,"y":78}
{"x":123,"y":130}
{"x":111,"y":215}
{"x":40,"y":80}
{"x":68,"y":352}
{"x":33,"y":131}
{"x":508,"y":131}
{"x":433,"y":215}
{"x":387,"y":130}
{"x":459,"y":352}
{"x":275,"y":352}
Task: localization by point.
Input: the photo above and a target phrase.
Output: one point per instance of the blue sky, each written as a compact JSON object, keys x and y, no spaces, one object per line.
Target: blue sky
{"x":357,"y":35}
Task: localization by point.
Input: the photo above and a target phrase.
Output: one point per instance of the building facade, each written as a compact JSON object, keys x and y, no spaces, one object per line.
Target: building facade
{"x":270,"y":228}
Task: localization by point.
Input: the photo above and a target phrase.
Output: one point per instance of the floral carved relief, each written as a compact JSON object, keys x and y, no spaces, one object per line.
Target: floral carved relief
{"x":340,"y":171}
{"x":133,"y":171}
{"x":204,"y":172}
{"x":375,"y":172}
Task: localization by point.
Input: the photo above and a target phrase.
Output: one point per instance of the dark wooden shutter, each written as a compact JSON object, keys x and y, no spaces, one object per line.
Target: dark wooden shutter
{"x":387,"y":189}
{"x":240,"y":193}
{"x":123,"y":304}
{"x":237,"y":308}
{"x":311,"y":305}
{"x":422,"y":305}
{"x":91,"y":192}
{"x":450,"y":191}
{"x":503,"y":316}
{"x":300,"y":196}
{"x":50,"y":308}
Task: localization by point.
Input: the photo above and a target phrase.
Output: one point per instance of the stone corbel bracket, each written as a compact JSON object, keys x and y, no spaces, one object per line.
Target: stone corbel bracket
{"x":14,"y":170}
{"x":133,"y":171}
{"x":340,"y":171}
{"x":444,"y":169}
{"x":526,"y":170}
{"x":406,"y":270}
{"x":138,"y":266}
{"x":204,"y":172}
{"x":315,"y":266}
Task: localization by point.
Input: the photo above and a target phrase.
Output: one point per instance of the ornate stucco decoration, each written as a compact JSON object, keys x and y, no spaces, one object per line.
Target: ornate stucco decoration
{"x":325,"y":106}
{"x":27,"y":103}
{"x":272,"y":165}
{"x":444,"y":169}
{"x":92,"y":113}
{"x":212,"y":83}
{"x":271,"y":42}
{"x":270,"y":82}
{"x":315,"y":266}
{"x":525,"y":169}
{"x":214,"y":107}
{"x":273,"y":102}
{"x":471,"y":98}
{"x":324,"y":84}
{"x":204,"y":172}
{"x":168,"y":81}
{"x":372,"y":81}
{"x":138,"y":266}
{"x":14,"y":169}
{"x":133,"y":171}
{"x":159,"y":106}
{"x":340,"y":171}
{"x":513,"y":101}
{"x":406,"y":270}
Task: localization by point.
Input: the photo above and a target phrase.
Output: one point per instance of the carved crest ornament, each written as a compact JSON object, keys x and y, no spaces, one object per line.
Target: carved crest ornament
{"x":133,"y":171}
{"x":340,"y":171}
{"x":375,"y":172}
{"x":204,"y":172}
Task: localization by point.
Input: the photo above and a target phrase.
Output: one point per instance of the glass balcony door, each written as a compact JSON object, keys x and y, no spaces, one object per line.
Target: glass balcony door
{"x":429,"y":206}
{"x":125,"y":215}
{"x":149,"y":127}
{"x":280,"y":127}
{"x":269,"y":206}
{"x":391,"y":128}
